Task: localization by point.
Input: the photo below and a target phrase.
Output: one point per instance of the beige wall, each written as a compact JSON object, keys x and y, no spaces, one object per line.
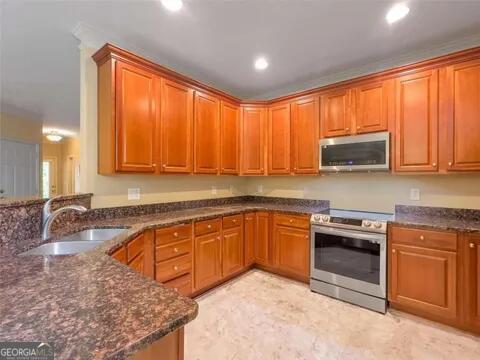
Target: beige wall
{"x":112,"y":190}
{"x":375,"y":191}
{"x":20,"y":129}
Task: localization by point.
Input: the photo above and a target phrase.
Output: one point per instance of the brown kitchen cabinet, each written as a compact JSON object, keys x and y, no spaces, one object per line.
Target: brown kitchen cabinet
{"x":336,"y":114}
{"x":206,"y":134}
{"x":423,"y":273}
{"x":208,"y":253}
{"x":371,"y":107}
{"x":460,"y":88}
{"x":232,"y":245}
{"x":263,"y":247}
{"x":253,"y":140}
{"x":279,"y":139}
{"x":176,"y":122}
{"x":136,"y":125}
{"x":471,"y":293}
{"x":250,"y":233}
{"x":229,"y":138}
{"x":304,"y":134}
{"x":416,"y":117}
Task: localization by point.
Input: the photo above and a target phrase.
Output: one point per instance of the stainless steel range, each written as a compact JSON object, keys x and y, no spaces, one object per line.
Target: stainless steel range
{"x":348,"y":256}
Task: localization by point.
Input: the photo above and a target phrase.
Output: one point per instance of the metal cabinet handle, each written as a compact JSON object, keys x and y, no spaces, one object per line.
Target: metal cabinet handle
{"x":175,"y":268}
{"x":234,"y":221}
{"x":175,"y":234}
{"x":449,"y":163}
{"x":209,"y":226}
{"x":347,"y":129}
{"x":175,"y":250}
{"x":472,"y":245}
{"x":358,"y":127}
{"x":434,"y":164}
{"x":291,"y":220}
{"x":422,"y":237}
{"x":164,"y":165}
{"x":394,"y":251}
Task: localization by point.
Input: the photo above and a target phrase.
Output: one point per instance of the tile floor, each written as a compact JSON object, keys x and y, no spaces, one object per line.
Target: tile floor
{"x":263,"y":316}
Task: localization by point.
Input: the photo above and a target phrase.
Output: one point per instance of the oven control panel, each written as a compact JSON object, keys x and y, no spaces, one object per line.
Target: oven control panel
{"x":350,"y":223}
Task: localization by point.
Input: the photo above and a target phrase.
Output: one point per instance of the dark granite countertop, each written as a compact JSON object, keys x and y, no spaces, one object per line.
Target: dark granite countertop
{"x":90,"y":305}
{"x":437,"y":218}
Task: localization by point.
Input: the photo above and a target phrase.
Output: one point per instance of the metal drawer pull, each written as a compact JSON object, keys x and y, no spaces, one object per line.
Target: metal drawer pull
{"x":209,"y":226}
{"x":175,"y":268}
{"x":394,"y":251}
{"x":234,"y":220}
{"x":175,"y":250}
{"x":472,"y":245}
{"x":422,"y":237}
{"x":175,"y":234}
{"x":291,"y":220}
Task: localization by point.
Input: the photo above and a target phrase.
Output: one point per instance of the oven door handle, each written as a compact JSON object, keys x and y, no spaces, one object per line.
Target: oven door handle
{"x":349,"y":233}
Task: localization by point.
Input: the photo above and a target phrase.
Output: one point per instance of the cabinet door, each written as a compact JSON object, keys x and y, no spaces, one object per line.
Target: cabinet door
{"x":416,"y":117}
{"x":424,"y":280}
{"x":207,"y":134}
{"x":305,"y":124}
{"x":208,"y":267}
{"x":229,"y":138}
{"x":232,"y":250}
{"x":371,"y":107}
{"x":176,"y":127}
{"x":472,"y":282}
{"x":253,"y":141}
{"x":463,"y":116}
{"x":292,"y":250}
{"x":279,"y":139}
{"x":136,"y":127}
{"x":250,"y":235}
{"x":262,"y":240}
{"x":336,"y":119}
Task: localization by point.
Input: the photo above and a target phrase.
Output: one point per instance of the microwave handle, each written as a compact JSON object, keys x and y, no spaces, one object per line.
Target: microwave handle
{"x":348,"y":233}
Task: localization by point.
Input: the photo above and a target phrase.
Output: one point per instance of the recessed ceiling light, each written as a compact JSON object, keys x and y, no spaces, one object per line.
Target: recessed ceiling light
{"x":261,"y":63}
{"x":397,"y":12}
{"x":172,"y":5}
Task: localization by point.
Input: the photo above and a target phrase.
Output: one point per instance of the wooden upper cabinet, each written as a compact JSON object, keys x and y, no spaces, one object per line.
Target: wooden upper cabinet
{"x":176,"y":127}
{"x":462,"y":115}
{"x":253,"y":141}
{"x":136,"y":120}
{"x":371,"y":107}
{"x":336,"y":118}
{"x":207,"y":133}
{"x":229,"y":138}
{"x":279,"y":139}
{"x":416,"y":118}
{"x":471,"y":294}
{"x":304,"y":129}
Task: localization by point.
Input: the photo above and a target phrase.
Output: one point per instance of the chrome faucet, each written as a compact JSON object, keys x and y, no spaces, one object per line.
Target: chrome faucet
{"x":48,"y":215}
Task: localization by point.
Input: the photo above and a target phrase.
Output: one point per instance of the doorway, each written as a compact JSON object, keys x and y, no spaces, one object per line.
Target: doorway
{"x":49,"y":176}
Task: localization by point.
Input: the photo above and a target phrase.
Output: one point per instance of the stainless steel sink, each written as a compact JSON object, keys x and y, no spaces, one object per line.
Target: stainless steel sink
{"x":63,"y":248}
{"x":76,"y":243}
{"x":93,"y":235}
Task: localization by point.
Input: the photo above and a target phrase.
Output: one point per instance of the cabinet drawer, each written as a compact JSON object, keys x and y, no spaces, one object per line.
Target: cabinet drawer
{"x":208,"y":226}
{"x":232,"y":221}
{"x":135,"y":247}
{"x":424,"y":238}
{"x":168,"y":251}
{"x":173,"y":234}
{"x":120,"y":255}
{"x":182,"y":284}
{"x":169,"y":269}
{"x":301,"y":222}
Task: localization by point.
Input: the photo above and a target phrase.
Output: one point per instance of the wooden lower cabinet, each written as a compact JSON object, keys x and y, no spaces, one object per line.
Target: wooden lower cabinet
{"x":169,"y":347}
{"x":471,"y":293}
{"x":232,"y":250}
{"x":262,"y":239}
{"x":208,"y":266}
{"x":250,"y":236}
{"x":292,"y":251}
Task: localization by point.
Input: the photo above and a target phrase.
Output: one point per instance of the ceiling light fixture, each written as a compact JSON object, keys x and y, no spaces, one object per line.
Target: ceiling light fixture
{"x":261,"y":63}
{"x":54,"y":136}
{"x":397,"y":12}
{"x":172,"y":5}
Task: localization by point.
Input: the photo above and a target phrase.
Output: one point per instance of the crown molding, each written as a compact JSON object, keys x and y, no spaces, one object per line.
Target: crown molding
{"x":375,"y":67}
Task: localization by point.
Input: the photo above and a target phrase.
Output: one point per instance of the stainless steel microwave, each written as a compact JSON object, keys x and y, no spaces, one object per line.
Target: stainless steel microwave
{"x":368,"y":152}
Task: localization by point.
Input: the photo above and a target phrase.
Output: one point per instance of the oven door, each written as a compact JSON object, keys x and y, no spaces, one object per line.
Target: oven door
{"x":351,"y":259}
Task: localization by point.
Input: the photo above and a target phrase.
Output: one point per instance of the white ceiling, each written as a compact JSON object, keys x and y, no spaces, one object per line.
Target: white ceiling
{"x":214,"y":41}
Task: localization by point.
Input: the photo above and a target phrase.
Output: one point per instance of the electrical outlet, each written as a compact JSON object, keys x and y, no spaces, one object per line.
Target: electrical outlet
{"x":415,"y":194}
{"x":260,"y":189}
{"x":214,"y":190}
{"x":133,"y":194}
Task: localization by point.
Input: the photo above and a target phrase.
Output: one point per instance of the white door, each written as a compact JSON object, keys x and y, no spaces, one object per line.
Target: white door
{"x":19,"y":169}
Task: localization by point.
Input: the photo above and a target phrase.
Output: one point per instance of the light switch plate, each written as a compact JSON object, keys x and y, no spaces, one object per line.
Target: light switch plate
{"x":415,"y":194}
{"x":133,"y":194}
